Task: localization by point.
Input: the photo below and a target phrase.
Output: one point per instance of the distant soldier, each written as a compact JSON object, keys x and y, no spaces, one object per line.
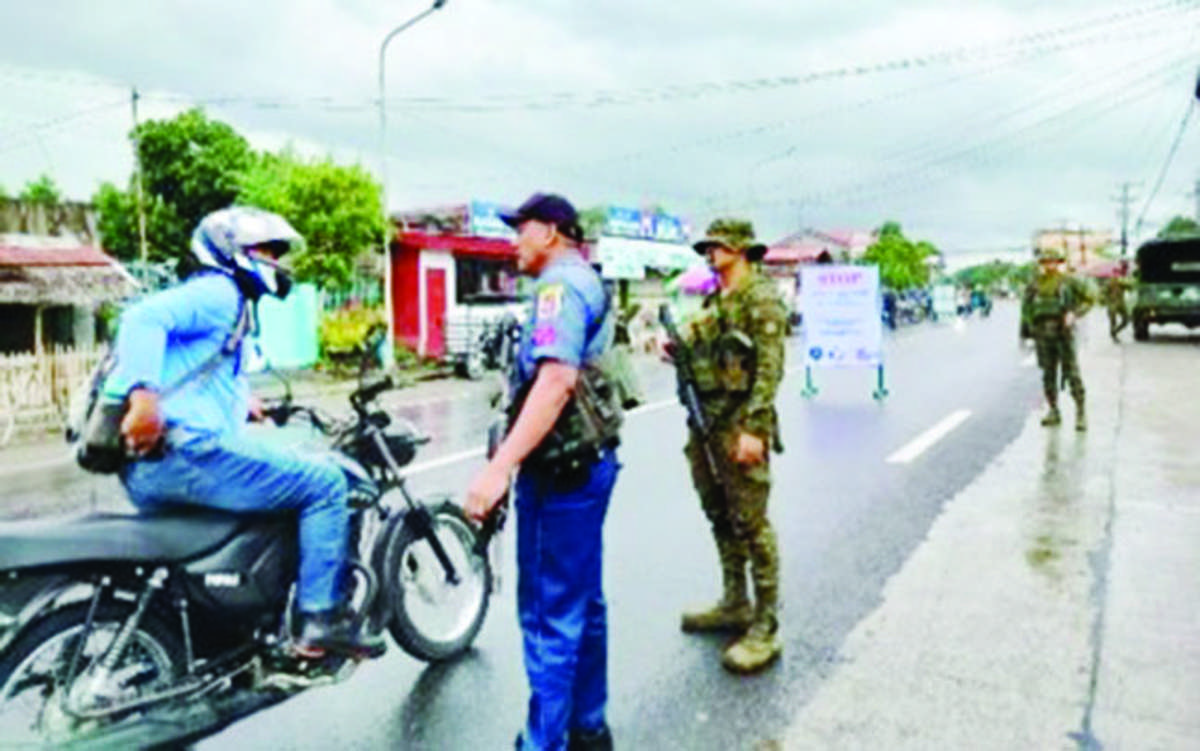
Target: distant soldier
{"x":1051,"y":305}
{"x":736,"y":349}
{"x":1115,"y":288}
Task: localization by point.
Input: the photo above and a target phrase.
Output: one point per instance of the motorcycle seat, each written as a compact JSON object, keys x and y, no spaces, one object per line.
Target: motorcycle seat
{"x":165,"y":537}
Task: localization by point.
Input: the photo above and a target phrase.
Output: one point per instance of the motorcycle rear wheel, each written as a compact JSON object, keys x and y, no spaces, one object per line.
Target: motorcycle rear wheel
{"x":31,"y":669}
{"x":432,"y":619}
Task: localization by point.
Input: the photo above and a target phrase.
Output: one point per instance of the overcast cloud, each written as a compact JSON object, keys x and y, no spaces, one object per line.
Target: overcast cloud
{"x":795,"y":114}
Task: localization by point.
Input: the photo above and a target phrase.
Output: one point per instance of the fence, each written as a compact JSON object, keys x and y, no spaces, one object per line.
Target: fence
{"x":36,"y":389}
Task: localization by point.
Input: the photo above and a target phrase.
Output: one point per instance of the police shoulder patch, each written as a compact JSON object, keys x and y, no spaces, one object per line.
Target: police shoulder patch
{"x":549,"y":301}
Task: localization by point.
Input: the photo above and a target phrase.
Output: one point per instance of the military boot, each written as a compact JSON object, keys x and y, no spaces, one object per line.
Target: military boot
{"x":1080,"y":417}
{"x":755,"y":650}
{"x":1052,"y":417}
{"x":733,"y":613}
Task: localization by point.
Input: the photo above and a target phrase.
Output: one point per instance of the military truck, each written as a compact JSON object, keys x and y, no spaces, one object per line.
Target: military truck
{"x":1168,"y":284}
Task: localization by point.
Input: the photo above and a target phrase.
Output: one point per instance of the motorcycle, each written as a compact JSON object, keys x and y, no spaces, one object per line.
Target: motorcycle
{"x":135,"y":630}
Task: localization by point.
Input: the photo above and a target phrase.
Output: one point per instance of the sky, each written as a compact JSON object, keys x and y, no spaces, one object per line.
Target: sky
{"x":973,"y":124}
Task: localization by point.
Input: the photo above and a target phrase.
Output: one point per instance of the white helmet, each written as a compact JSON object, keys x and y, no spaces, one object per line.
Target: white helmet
{"x":222,"y":238}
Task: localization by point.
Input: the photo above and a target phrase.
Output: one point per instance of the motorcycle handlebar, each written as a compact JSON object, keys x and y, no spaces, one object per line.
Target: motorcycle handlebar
{"x":369,"y":392}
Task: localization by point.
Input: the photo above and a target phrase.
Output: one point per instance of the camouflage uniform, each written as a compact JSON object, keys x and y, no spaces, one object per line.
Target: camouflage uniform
{"x":1046,"y":302}
{"x":1114,"y":300}
{"x":737,"y":344}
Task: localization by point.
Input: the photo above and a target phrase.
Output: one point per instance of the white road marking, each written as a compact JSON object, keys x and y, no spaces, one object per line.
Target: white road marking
{"x":921,"y":443}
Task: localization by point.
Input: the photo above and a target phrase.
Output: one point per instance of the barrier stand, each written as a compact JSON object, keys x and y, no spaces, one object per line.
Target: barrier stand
{"x":810,"y":389}
{"x":880,"y":392}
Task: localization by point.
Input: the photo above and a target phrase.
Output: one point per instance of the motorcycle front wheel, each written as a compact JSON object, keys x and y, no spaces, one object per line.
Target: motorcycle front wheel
{"x":34,"y":700}
{"x":434,"y":619}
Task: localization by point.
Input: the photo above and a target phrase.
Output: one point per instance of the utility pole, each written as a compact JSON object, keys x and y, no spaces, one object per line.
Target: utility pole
{"x":1196,"y":195}
{"x":1125,"y":200}
{"x":141,"y":211}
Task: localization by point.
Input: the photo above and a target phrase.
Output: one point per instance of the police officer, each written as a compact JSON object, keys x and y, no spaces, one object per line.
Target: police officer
{"x":1052,"y":303}
{"x":737,"y":346}
{"x":561,"y":504}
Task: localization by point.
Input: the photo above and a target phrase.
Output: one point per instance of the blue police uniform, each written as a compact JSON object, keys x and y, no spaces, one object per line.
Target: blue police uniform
{"x":560,"y":597}
{"x":209,"y":461}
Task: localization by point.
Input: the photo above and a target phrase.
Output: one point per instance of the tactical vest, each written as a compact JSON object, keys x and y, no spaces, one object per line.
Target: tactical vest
{"x":1050,"y":298}
{"x":589,"y":423}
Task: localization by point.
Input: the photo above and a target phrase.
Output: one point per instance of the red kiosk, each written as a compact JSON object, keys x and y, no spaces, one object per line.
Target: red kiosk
{"x":447,"y":282}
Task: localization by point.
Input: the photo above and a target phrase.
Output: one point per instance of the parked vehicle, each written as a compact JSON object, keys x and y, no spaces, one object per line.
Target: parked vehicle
{"x":117,"y":629}
{"x":1168,"y":284}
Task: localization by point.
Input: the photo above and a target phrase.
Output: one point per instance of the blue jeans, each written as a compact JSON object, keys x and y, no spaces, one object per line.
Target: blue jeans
{"x":240,"y":475}
{"x":560,"y":602}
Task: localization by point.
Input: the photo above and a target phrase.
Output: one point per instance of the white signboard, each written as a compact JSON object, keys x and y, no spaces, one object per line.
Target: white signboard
{"x":842,"y":327}
{"x":945,"y":301}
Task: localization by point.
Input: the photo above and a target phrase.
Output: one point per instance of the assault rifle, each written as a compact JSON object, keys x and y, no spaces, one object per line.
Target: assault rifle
{"x":507,"y":338}
{"x":689,"y":394}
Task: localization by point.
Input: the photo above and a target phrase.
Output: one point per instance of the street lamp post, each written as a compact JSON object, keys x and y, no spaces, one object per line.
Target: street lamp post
{"x":389,"y":345}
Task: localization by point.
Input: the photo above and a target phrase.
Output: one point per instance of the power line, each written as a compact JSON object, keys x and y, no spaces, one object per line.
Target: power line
{"x":1162,"y":174}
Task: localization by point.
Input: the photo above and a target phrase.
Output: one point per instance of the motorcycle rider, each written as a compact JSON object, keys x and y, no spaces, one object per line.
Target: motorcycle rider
{"x":190,"y":444}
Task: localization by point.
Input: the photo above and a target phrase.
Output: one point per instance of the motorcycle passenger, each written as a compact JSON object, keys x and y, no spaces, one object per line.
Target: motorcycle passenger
{"x":191,"y":444}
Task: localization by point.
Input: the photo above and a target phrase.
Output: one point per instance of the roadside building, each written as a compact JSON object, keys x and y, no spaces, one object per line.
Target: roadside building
{"x":454,"y":271}
{"x":52,"y":290}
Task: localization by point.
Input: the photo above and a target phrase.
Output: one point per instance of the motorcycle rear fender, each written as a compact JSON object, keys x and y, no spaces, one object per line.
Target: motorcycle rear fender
{"x":26,"y":597}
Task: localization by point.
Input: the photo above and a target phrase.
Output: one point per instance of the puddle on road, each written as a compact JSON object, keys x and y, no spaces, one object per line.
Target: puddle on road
{"x":1055,"y":518}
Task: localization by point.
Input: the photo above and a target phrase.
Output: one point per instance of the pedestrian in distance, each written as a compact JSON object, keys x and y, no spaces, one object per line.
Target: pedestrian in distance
{"x":561,"y":441}
{"x":179,"y":365}
{"x":1052,"y":304}
{"x":735,"y":347}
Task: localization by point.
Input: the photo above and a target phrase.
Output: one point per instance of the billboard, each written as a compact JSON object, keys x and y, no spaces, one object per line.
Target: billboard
{"x":842,"y":326}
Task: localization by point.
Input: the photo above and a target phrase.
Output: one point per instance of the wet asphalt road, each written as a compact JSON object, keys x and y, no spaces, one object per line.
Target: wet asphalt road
{"x":846,"y":517}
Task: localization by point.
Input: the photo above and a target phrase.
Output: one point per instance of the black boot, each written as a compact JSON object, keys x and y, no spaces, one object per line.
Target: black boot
{"x":334,"y":631}
{"x":590,"y":740}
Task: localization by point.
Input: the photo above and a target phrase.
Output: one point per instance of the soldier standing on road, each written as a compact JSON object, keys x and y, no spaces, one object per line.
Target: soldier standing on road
{"x":568,"y":467}
{"x":1051,"y":305}
{"x":737,"y":349}
{"x":1115,"y":288}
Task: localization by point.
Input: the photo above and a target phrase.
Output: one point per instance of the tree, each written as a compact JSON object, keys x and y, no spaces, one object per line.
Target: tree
{"x":41,"y":192}
{"x":903,"y":264}
{"x":1179,"y":226}
{"x":191,"y":166}
{"x":592,"y":221}
{"x":336,"y":208}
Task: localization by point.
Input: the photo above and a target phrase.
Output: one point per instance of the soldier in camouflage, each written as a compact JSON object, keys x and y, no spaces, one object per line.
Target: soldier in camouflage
{"x":1115,"y":289}
{"x":1052,"y":303}
{"x":737,"y":345}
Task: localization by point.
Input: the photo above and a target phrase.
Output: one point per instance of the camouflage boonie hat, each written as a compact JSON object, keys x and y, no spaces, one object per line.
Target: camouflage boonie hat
{"x":1050,"y":254}
{"x":735,"y":234}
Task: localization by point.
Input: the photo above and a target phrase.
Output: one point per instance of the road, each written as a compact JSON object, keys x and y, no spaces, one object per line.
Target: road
{"x":847,"y":518}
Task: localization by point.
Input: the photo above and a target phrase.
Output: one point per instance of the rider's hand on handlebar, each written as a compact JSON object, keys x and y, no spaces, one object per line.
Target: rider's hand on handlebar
{"x":142,"y":426}
{"x":255,"y":411}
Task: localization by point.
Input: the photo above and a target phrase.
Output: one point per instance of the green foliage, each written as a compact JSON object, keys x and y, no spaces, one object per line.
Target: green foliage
{"x":4,"y":194}
{"x":592,"y":221}
{"x":191,"y":166}
{"x":41,"y":192}
{"x":343,"y":331}
{"x":337,"y":209}
{"x":903,"y":264}
{"x":117,"y":221}
{"x":995,"y":275}
{"x":1179,"y":226}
